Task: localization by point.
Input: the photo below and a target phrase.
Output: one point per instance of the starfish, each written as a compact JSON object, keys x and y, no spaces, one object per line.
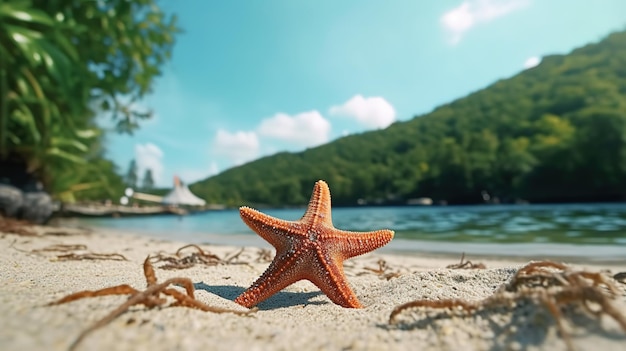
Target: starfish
{"x":310,"y":248}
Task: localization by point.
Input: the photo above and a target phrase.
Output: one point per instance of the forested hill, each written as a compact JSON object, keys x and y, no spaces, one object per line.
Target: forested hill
{"x":556,"y":132}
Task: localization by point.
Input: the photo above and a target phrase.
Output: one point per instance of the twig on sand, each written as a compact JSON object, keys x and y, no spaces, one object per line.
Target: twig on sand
{"x":150,"y":297}
{"x":547,"y":283}
{"x":466,"y":264}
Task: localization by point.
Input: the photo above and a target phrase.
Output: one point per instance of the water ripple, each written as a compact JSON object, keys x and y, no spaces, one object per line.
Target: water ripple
{"x":560,"y":223}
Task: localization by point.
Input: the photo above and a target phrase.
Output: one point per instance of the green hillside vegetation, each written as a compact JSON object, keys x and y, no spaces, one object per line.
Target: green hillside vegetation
{"x":556,"y":132}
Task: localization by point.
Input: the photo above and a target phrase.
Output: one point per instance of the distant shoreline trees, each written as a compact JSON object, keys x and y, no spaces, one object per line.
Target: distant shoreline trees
{"x":148,"y":180}
{"x":553,"y":133}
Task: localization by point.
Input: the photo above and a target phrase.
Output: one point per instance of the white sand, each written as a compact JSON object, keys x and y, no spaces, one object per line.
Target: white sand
{"x":298,"y":318}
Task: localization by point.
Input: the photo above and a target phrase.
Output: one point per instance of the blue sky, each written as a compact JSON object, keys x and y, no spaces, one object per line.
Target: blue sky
{"x":252,"y":78}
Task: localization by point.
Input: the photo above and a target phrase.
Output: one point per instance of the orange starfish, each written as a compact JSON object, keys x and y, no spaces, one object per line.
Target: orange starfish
{"x":310,"y":248}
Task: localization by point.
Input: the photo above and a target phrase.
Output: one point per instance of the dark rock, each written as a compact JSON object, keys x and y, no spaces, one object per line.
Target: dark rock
{"x":11,"y":200}
{"x":21,"y":194}
{"x":37,"y":207}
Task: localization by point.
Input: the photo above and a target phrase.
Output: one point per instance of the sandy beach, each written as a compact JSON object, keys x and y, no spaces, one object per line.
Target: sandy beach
{"x":299,"y":317}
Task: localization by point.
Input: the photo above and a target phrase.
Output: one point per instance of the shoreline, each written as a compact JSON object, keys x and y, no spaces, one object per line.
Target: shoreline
{"x":598,"y":254}
{"x":297,"y":317}
{"x":514,"y":252}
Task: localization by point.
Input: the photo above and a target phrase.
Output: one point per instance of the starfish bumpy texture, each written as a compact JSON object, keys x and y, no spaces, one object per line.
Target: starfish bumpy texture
{"x":310,"y":248}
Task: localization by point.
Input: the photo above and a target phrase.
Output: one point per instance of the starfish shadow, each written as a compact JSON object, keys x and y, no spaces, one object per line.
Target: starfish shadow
{"x":289,"y":299}
{"x":228,"y":292}
{"x":281,"y":299}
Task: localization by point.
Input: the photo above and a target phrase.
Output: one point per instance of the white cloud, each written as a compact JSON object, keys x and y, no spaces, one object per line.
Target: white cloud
{"x":239,"y":146}
{"x":213,"y":169}
{"x":305,"y":129}
{"x":373,"y":112}
{"x":292,"y":132}
{"x":149,"y":156}
{"x":472,"y":12}
{"x":532,"y":62}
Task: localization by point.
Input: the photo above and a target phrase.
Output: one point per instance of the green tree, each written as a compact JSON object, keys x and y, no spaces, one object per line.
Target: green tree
{"x":43,"y":112}
{"x":148,"y":180}
{"x":62,"y":63}
{"x":515,"y":162}
{"x":600,"y":150}
{"x":132,"y":177}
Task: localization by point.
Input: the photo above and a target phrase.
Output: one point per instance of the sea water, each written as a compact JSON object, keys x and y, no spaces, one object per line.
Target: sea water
{"x":586,"y":231}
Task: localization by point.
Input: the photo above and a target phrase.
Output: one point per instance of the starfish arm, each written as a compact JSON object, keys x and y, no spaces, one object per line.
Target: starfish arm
{"x":351,"y":244}
{"x":318,"y":210}
{"x":334,"y":284}
{"x":281,"y":273}
{"x":311,"y":249}
{"x":272,"y":229}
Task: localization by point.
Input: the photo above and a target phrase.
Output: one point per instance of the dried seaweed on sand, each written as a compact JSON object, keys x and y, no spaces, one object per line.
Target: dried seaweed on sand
{"x":15,"y":226}
{"x":198,"y":256}
{"x":25,"y":228}
{"x":71,"y":255}
{"x":466,"y":264}
{"x":154,"y":295}
{"x":383,"y":271}
{"x":549,"y":284}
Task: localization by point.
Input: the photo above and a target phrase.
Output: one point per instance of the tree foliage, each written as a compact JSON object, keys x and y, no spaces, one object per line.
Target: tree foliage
{"x":556,"y":132}
{"x":63,"y":62}
{"x":148,"y":180}
{"x":132,"y":177}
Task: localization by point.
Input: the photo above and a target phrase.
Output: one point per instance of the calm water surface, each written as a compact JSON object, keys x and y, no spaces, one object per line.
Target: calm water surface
{"x":595,"y":231}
